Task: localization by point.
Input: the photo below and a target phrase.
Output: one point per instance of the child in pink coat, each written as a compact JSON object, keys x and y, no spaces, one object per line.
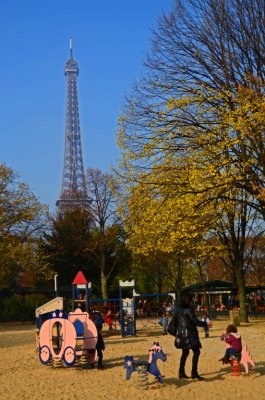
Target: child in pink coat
{"x":233,"y":338}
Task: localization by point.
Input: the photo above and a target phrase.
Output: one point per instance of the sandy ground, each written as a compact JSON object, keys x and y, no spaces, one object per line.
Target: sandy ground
{"x":23,"y":377}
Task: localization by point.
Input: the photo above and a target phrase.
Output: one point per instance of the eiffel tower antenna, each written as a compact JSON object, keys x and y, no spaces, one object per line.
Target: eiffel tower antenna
{"x":71,"y":48}
{"x":74,"y":189}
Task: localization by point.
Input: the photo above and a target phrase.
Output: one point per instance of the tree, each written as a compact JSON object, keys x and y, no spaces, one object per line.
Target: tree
{"x":203,"y":90}
{"x":67,"y":247}
{"x":22,"y":219}
{"x":91,"y":240}
{"x":237,"y":223}
{"x":196,"y":115}
{"x":33,"y":268}
{"x":108,"y":248}
{"x":150,"y":272}
{"x":255,"y":270}
{"x":160,"y":221}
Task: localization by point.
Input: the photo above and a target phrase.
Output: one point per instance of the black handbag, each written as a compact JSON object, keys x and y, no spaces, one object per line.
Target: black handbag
{"x":172,"y":327}
{"x":178,"y":343}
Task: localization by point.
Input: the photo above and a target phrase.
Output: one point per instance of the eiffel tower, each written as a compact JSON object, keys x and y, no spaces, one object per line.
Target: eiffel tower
{"x":74,"y":189}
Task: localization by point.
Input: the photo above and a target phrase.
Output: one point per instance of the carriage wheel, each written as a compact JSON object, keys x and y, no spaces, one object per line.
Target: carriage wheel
{"x":45,"y":355}
{"x":69,"y":356}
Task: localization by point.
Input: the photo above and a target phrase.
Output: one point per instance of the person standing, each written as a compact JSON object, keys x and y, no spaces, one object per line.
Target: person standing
{"x":109,"y":320}
{"x":206,"y":318}
{"x":187,"y":337}
{"x":163,"y":321}
{"x":100,"y":346}
{"x":140,"y":308}
{"x":99,"y":321}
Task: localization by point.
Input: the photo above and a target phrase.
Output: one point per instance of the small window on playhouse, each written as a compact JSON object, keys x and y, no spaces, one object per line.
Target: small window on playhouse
{"x":79,"y":327}
{"x":57,"y":338}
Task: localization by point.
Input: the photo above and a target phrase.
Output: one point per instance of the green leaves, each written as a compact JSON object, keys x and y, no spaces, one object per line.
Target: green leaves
{"x":22,"y":222}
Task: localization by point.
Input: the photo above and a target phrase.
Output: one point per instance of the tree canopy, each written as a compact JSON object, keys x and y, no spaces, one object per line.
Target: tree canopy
{"x":22,"y":223}
{"x":191,"y":134}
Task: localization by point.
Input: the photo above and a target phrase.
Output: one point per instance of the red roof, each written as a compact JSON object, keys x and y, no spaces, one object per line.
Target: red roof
{"x":79,"y":279}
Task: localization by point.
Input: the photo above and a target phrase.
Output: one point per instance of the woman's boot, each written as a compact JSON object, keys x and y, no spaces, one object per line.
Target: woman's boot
{"x":197,"y":376}
{"x":182,"y":375}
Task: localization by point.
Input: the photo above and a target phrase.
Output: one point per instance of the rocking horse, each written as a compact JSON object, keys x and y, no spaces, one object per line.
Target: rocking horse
{"x":145,"y":367}
{"x":244,"y":358}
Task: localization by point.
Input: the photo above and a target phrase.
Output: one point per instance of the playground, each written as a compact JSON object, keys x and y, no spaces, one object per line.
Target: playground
{"x":23,"y":377}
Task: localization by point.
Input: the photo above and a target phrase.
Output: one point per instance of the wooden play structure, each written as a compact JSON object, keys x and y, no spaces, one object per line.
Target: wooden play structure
{"x":66,"y":339}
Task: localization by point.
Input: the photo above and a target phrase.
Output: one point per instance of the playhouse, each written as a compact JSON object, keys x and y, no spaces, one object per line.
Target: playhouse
{"x":67,"y":339}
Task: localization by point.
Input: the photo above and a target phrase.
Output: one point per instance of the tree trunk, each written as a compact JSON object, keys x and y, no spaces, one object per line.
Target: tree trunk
{"x":159,"y":286}
{"x":241,"y":293}
{"x":206,"y":300}
{"x":179,"y":264}
{"x":234,"y":278}
{"x":104,"y":285}
{"x":104,"y":277}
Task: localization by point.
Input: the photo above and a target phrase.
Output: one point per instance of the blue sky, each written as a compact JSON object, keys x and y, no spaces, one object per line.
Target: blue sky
{"x":110,"y":40}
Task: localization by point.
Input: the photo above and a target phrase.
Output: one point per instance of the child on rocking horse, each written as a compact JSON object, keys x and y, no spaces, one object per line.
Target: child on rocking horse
{"x":233,"y":338}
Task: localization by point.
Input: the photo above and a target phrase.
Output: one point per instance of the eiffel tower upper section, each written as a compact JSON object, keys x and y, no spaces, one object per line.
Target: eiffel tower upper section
{"x":74,"y":189}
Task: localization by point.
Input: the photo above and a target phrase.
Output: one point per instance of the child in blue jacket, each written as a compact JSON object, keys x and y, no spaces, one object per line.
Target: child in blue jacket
{"x":163,"y":321}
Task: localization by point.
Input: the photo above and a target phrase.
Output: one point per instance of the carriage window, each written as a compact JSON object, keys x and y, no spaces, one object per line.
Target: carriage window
{"x":79,"y":327}
{"x":57,"y":337}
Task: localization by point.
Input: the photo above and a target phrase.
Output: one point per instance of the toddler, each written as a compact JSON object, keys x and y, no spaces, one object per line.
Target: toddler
{"x":233,"y":338}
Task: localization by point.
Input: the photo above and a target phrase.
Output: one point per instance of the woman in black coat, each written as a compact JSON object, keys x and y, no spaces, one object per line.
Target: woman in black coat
{"x":187,"y":336}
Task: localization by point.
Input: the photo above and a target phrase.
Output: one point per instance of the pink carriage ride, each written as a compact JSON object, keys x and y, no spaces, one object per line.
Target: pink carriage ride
{"x":68,"y":338}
